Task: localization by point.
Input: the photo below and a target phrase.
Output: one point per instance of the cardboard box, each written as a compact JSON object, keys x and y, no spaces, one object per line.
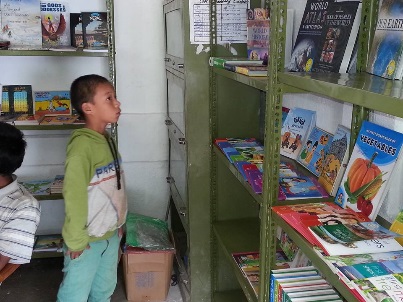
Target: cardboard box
{"x":147,"y":275}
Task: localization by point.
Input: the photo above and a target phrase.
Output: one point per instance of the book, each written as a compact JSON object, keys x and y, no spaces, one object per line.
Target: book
{"x":312,"y":155}
{"x":48,"y":243}
{"x":251,"y":70}
{"x":386,"y":288}
{"x":371,"y":164}
{"x":397,"y":226}
{"x":21,"y":23}
{"x":335,"y":161}
{"x":291,"y":296}
{"x":76,"y":30}
{"x":17,"y":100}
{"x":57,"y":184}
{"x":287,"y":245}
{"x":309,"y":34}
{"x":248,"y":262}
{"x":385,"y":55}
{"x":57,"y":119}
{"x":301,"y":216}
{"x":26,"y":119}
{"x":55,"y":18}
{"x":339,"y":33}
{"x":257,"y":33}
{"x":52,"y":102}
{"x":301,"y":187}
{"x":38,"y":187}
{"x":372,"y":269}
{"x":220,"y":62}
{"x":95,"y":30}
{"x":297,"y":126}
{"x":255,"y":179}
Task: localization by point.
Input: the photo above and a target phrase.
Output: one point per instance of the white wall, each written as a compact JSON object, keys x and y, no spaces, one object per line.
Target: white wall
{"x":143,"y":141}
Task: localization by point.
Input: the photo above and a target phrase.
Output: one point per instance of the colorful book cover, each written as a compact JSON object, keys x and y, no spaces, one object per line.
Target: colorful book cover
{"x":315,"y":149}
{"x":301,"y":187}
{"x":297,"y":125}
{"x":248,"y":262}
{"x":48,"y":243}
{"x":52,"y":102}
{"x":17,"y":99}
{"x":26,"y":119}
{"x":76,"y":30}
{"x":348,"y":260}
{"x":335,"y":161}
{"x":255,"y":179}
{"x":397,"y":226}
{"x":386,"y":288}
{"x":95,"y":30}
{"x":386,"y":49}
{"x":252,"y":71}
{"x":21,"y":23}
{"x":284,"y":113}
{"x":339,"y":33}
{"x":55,"y":18}
{"x":38,"y":187}
{"x":374,"y":156}
{"x":287,"y":245}
{"x":257,"y":33}
{"x":309,"y":34}
{"x":372,"y":269}
{"x":57,"y":119}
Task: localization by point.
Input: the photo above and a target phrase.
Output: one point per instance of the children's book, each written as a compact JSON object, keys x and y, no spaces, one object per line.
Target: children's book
{"x":95,"y":30}
{"x":373,"y":158}
{"x":284,"y":113}
{"x":26,"y":119}
{"x":385,"y":56}
{"x":52,"y":102}
{"x":257,"y":33}
{"x":297,"y":125}
{"x":306,"y":45}
{"x":57,"y":119}
{"x":249,"y":264}
{"x":38,"y":187}
{"x":397,"y":226}
{"x":339,"y":33}
{"x":287,"y":245}
{"x":315,"y":149}
{"x":301,"y":187}
{"x":372,"y":269}
{"x":55,"y":18}
{"x":48,"y":243}
{"x":385,"y":288}
{"x":221,"y":62}
{"x":335,"y":161}
{"x":21,"y":23}
{"x":252,"y":71}
{"x":76,"y":30}
{"x":255,"y":179}
{"x":17,"y":100}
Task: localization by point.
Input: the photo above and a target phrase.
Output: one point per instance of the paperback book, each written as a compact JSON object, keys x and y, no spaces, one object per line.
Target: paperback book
{"x":95,"y":30}
{"x":373,"y":158}
{"x":386,"y":288}
{"x":339,"y":33}
{"x":55,"y":18}
{"x":297,"y":125}
{"x":48,"y":243}
{"x":257,"y":33}
{"x":52,"y":102}
{"x":301,"y":187}
{"x":17,"y":100}
{"x":397,"y":226}
{"x":76,"y":30}
{"x":21,"y":23}
{"x":57,"y":119}
{"x":251,"y":70}
{"x":312,"y":155}
{"x":335,"y":161}
{"x":309,"y":34}
{"x":385,"y":56}
{"x":38,"y":187}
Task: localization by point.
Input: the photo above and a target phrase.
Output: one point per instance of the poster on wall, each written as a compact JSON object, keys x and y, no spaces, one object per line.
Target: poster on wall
{"x":231,"y":21}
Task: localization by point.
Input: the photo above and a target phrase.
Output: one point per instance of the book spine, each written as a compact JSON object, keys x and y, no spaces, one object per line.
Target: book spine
{"x":242,"y":70}
{"x":229,"y":67}
{"x":217,"y":62}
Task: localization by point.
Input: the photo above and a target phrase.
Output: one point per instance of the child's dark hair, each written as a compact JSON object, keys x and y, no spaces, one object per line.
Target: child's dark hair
{"x":12,"y":148}
{"x":82,"y":90}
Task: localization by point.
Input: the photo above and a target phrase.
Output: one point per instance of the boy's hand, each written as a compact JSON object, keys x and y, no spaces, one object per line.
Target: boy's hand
{"x":76,"y":254}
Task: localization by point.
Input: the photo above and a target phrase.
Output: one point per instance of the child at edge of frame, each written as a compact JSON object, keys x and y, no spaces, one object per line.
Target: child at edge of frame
{"x":94,"y":195}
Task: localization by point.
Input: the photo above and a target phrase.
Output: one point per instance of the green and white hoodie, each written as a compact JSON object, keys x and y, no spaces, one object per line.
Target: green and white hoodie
{"x":94,"y":205}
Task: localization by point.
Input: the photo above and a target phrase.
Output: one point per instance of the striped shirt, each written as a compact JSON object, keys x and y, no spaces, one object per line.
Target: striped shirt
{"x":19,"y":219}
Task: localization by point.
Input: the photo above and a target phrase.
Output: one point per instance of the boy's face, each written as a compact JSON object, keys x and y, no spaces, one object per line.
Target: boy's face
{"x":105,"y":108}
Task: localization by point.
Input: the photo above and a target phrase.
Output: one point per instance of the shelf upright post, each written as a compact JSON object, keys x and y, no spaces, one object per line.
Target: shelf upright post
{"x":278,"y":15}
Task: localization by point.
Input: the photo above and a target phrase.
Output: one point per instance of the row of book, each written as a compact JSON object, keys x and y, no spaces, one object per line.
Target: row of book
{"x":45,"y":186}
{"x":22,"y":106}
{"x":36,"y":24}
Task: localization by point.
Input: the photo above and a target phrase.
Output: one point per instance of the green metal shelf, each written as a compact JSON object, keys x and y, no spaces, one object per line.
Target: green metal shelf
{"x":221,"y":157}
{"x":241,"y":235}
{"x":307,"y":248}
{"x":49,"y":197}
{"x":51,"y":53}
{"x":369,"y":91}
{"x":256,"y":82}
{"x":50,"y":127}
{"x":229,"y":296}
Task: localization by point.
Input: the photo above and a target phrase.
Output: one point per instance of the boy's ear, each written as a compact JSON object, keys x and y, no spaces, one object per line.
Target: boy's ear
{"x":87,"y":109}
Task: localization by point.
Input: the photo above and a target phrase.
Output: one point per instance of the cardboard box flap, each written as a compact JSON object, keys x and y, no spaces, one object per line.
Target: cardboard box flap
{"x":148,"y":262}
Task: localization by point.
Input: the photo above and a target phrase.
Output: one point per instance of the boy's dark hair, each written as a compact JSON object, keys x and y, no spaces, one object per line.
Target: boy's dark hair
{"x":82,"y":90}
{"x":12,"y":148}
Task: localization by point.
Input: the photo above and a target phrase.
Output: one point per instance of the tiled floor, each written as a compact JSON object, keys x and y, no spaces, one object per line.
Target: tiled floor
{"x":39,"y":282}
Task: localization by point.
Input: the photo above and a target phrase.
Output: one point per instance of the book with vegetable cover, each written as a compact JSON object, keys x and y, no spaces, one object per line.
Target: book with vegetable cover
{"x":371,"y":164}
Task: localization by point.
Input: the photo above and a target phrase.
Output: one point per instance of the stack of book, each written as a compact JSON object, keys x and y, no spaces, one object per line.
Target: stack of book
{"x":57,"y":185}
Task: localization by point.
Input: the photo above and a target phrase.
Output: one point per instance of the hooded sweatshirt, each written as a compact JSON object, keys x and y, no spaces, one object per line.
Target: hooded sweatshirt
{"x":95,"y":206}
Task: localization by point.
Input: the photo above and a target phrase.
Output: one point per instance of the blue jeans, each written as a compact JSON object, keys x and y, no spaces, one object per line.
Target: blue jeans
{"x":92,"y":276}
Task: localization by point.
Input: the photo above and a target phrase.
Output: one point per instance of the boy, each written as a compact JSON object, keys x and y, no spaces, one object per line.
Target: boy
{"x":19,"y":210}
{"x":94,"y":196}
